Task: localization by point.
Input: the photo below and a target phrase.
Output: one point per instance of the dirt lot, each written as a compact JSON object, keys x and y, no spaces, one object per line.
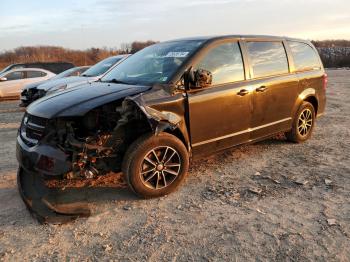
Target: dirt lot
{"x":269,"y":201}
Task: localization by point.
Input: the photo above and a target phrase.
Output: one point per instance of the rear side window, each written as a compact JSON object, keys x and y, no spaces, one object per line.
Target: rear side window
{"x":34,"y":74}
{"x":305,"y":57}
{"x":267,"y":58}
{"x":225,"y":63}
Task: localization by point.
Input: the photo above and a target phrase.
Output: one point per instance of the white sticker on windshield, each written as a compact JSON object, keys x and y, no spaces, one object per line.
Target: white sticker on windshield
{"x":177,"y":54}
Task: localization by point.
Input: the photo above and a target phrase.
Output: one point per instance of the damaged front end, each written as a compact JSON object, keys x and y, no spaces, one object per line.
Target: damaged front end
{"x":85,"y":146}
{"x":81,"y":146}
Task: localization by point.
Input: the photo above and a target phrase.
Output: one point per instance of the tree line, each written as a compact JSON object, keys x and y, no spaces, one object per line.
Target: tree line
{"x":91,"y":56}
{"x":334,"y":53}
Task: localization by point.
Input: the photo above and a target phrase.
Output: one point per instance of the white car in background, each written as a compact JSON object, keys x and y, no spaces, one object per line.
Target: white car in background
{"x":13,"y":81}
{"x":94,"y":73}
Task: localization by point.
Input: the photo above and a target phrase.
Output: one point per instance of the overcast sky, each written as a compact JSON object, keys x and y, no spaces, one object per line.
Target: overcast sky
{"x":82,"y":24}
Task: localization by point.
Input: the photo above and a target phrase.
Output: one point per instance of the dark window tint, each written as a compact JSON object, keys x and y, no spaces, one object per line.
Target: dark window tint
{"x":225,"y":63}
{"x":267,"y":58}
{"x":34,"y":74}
{"x":15,"y":75}
{"x":305,"y":57}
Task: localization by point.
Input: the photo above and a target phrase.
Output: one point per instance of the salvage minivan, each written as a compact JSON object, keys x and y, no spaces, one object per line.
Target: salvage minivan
{"x":172,"y":102}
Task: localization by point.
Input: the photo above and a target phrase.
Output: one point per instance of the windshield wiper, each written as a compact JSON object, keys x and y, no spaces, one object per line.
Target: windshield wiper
{"x":116,"y":81}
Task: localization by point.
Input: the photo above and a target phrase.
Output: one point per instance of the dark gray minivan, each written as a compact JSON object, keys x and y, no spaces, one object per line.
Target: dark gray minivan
{"x":171,"y":102}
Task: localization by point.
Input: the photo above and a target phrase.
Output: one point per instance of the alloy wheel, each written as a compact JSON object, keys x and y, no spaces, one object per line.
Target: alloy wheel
{"x":160,"y":167}
{"x":305,"y":122}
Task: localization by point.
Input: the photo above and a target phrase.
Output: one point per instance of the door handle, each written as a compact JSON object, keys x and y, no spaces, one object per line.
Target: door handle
{"x":261,"y":89}
{"x":243,"y":92}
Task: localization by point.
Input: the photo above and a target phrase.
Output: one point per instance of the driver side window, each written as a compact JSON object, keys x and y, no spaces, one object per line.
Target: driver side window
{"x":15,"y":76}
{"x":225,"y":63}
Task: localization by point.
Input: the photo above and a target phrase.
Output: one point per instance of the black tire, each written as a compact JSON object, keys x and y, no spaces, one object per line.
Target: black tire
{"x":157,"y":148}
{"x":301,"y":131}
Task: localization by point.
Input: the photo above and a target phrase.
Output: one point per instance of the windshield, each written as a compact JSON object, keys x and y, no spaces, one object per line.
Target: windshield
{"x":153,"y":64}
{"x":66,"y":73}
{"x":103,"y":66}
{"x":5,"y":69}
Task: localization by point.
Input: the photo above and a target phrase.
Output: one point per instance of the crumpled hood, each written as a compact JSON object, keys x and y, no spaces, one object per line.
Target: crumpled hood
{"x":79,"y":100}
{"x":66,"y":81}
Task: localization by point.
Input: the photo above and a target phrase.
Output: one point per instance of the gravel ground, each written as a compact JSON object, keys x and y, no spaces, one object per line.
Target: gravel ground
{"x":269,"y":201}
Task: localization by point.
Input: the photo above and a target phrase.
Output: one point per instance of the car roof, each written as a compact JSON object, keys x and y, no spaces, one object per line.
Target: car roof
{"x":30,"y":69}
{"x":222,"y":37}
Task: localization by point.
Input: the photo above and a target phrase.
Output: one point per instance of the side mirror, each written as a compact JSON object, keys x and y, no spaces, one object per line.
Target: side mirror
{"x":199,"y":78}
{"x":2,"y":79}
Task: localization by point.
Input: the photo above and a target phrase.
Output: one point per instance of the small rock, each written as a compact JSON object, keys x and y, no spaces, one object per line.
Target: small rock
{"x":127,"y":208}
{"x":274,"y":180}
{"x":255,"y":190}
{"x":327,"y":181}
{"x":257,"y":174}
{"x":261,"y":212}
{"x":179,"y":207}
{"x":108,"y":247}
{"x":236,"y":196}
{"x":331,"y":221}
{"x":12,"y":251}
{"x":301,"y":182}
{"x":94,"y":219}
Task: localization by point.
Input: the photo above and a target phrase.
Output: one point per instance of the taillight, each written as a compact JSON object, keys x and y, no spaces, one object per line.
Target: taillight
{"x":325,"y":81}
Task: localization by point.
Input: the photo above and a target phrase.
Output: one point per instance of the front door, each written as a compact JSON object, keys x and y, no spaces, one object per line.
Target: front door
{"x":220,"y":115}
{"x":13,"y":84}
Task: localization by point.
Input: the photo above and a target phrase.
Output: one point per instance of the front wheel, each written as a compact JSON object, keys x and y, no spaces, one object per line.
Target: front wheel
{"x":155,"y":165}
{"x":303,"y":124}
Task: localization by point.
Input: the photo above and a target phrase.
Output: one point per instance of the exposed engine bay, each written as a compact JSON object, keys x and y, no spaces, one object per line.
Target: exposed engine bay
{"x":95,"y":143}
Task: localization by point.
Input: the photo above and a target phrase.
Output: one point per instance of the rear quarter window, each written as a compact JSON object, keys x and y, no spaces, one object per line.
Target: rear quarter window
{"x":304,"y":56}
{"x":35,"y":74}
{"x":267,"y":58}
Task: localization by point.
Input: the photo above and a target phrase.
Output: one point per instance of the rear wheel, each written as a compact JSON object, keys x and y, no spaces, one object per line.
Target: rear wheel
{"x":303,"y":124}
{"x":154,"y":166}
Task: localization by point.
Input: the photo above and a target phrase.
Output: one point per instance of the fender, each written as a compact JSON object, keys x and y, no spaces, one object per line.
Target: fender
{"x":162,"y":119}
{"x":306,"y":93}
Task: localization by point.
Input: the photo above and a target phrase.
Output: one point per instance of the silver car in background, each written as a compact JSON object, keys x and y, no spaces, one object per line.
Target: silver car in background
{"x":93,"y":74}
{"x":30,"y":92}
{"x":13,"y":81}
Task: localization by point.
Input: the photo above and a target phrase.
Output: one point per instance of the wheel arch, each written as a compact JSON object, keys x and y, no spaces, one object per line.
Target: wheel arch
{"x":308,"y":95}
{"x":177,"y":133}
{"x":312,"y":100}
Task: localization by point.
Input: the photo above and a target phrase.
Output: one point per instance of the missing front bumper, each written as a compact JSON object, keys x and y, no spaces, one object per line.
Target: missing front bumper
{"x":44,"y":203}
